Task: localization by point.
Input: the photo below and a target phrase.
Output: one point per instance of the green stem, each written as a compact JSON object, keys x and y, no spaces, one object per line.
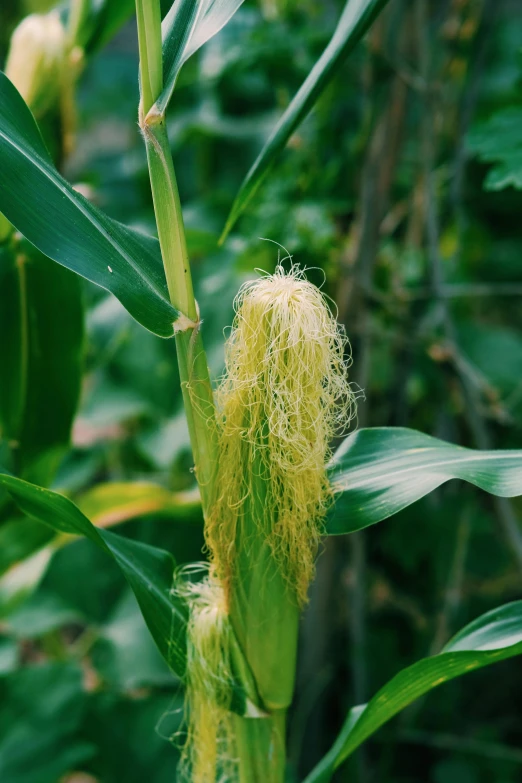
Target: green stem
{"x":169,"y":219}
{"x":200,"y":411}
{"x":261,"y":741}
{"x":148,"y":15}
{"x":192,"y":362}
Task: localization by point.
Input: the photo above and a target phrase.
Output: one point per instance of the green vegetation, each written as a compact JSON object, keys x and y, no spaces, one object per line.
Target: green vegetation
{"x":249,"y":620}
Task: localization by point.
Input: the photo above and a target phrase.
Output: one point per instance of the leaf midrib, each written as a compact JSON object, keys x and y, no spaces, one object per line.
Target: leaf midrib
{"x":488,"y":456}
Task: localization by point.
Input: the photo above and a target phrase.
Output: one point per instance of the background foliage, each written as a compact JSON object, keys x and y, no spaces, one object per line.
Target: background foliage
{"x":403,"y":190}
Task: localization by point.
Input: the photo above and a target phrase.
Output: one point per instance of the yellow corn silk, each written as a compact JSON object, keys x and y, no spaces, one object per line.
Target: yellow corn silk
{"x":209,"y":745}
{"x":283,"y":396}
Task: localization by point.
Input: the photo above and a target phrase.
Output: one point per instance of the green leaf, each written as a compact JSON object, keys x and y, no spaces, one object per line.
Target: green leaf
{"x":45,"y":612}
{"x":188,"y":25}
{"x":41,"y":347}
{"x":176,"y":30}
{"x":493,"y":637}
{"x":26,"y":546}
{"x":22,"y":579}
{"x":119,"y":501}
{"x":63,"y":225}
{"x":41,"y":710}
{"x":125,"y":654}
{"x":495,"y":352}
{"x":499,"y":141}
{"x":19,"y":539}
{"x":103,"y":18}
{"x":379,"y":471}
{"x":355,"y":20}
{"x":8,"y":655}
{"x":149,"y":571}
{"x":130,"y":735}
{"x":213,"y":17}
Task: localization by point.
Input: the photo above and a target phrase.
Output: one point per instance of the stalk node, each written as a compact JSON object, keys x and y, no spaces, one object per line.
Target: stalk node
{"x":185,"y":324}
{"x":152,"y":118}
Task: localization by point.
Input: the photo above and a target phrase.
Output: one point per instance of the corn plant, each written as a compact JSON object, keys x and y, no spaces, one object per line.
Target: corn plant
{"x":268,"y":483}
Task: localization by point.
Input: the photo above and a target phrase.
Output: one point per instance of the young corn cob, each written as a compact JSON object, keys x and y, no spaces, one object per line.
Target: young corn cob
{"x":283,"y":396}
{"x":36,"y":61}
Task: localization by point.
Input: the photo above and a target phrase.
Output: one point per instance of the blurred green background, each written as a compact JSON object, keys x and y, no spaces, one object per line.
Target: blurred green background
{"x":402,"y":195}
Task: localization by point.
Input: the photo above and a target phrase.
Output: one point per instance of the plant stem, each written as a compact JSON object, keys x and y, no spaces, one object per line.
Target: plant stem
{"x":192,"y":362}
{"x":261,"y":741}
{"x":148,"y":15}
{"x":169,"y":219}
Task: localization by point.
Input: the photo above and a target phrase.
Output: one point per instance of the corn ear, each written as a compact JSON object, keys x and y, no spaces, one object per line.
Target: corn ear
{"x":263,"y":606}
{"x":284,"y":394}
{"x":37,"y":60}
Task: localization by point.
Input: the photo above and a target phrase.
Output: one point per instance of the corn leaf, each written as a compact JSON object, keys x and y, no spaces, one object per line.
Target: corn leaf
{"x":149,"y":571}
{"x":176,"y":30}
{"x":26,"y":546}
{"x":213,"y":17}
{"x":19,"y":539}
{"x":355,"y":20}
{"x":493,"y":637}
{"x":42,"y":708}
{"x":41,"y":351}
{"x":102,"y":19}
{"x":120,"y":501}
{"x":188,"y":25}
{"x":26,"y":549}
{"x":63,"y":225}
{"x":377,"y":472}
{"x":24,"y":576}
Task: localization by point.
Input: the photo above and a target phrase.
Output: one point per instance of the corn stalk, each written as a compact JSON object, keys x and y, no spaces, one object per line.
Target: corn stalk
{"x":192,"y":363}
{"x":263,"y":610}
